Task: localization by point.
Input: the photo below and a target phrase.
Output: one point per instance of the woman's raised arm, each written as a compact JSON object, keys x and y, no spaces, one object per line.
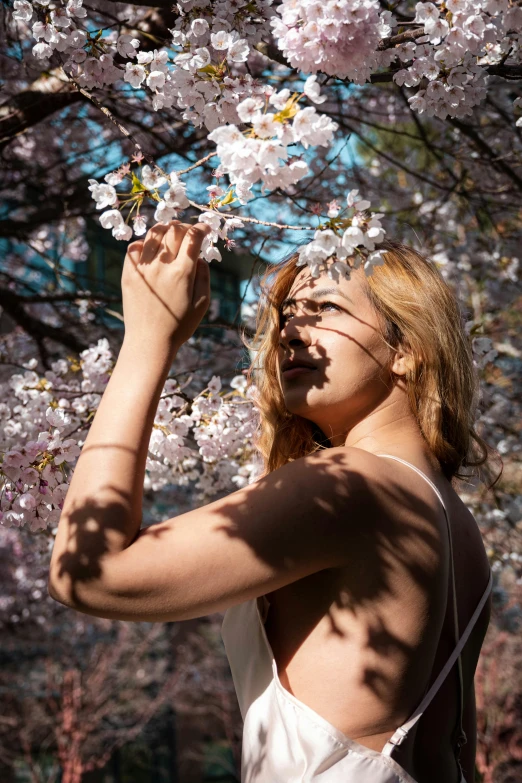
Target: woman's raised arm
{"x":277,"y":530}
{"x":300,"y":519}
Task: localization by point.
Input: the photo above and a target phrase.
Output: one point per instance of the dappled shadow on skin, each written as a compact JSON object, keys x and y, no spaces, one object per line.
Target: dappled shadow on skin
{"x":303,"y":320}
{"x":161,"y":247}
{"x":378,"y":549}
{"x":381,"y":552}
{"x":91,"y":528}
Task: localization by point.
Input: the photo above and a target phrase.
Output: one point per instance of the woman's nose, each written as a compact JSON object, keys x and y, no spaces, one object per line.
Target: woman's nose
{"x":294,"y":342}
{"x":294,"y":336}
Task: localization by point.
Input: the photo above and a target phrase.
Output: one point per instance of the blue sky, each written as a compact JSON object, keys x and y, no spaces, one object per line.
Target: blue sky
{"x":105,"y":157}
{"x":110,"y":157}
{"x":264,"y":208}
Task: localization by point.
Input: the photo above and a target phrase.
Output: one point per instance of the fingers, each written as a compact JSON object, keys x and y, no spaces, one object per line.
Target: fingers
{"x":134,"y":251}
{"x":201,"y":293}
{"x":152,"y":242}
{"x":172,"y":240}
{"x":192,"y":242}
{"x":167,"y":242}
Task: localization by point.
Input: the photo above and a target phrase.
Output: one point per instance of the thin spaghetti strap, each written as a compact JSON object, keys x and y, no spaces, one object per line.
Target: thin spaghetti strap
{"x":402,"y":731}
{"x":446,"y":669}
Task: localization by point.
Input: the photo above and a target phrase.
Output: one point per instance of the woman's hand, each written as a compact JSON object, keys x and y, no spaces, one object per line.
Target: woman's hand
{"x":165,"y":286}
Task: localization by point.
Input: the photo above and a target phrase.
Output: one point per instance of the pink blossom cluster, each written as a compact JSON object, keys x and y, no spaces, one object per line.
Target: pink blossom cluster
{"x":200,"y":82}
{"x":260,"y":153}
{"x":198,"y":19}
{"x":337,"y":37}
{"x":88,"y":58}
{"x":33,"y":468}
{"x":461,"y":37}
{"x":45,"y":423}
{"x":355,"y":236}
{"x":218,"y":230}
{"x":56,"y":30}
{"x":257,"y":154}
{"x":214,"y":37}
{"x":343,"y":38}
{"x":169,"y":204}
{"x":221,"y":430}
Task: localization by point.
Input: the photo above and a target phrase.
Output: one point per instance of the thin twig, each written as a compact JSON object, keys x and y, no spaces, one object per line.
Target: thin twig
{"x":201,"y":207}
{"x":199,"y":163}
{"x":250,"y":219}
{"x":115,"y":122}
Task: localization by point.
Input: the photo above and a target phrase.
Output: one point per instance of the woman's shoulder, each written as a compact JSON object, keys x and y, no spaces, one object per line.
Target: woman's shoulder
{"x":373,"y":472}
{"x":372,"y":496}
{"x":341,"y":459}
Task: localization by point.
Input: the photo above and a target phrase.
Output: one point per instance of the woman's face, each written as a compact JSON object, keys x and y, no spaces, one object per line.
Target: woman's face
{"x":333,"y":327}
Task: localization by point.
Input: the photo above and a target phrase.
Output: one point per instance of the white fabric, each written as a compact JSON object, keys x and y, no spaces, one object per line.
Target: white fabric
{"x":284,"y":740}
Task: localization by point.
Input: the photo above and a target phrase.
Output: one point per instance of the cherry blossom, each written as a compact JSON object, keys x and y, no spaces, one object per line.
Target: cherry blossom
{"x":51,"y":416}
{"x":217,"y":74}
{"x":338,"y":38}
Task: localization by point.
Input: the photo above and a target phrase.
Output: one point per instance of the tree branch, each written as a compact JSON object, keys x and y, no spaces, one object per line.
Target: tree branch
{"x":484,"y":147}
{"x":44,"y":97}
{"x":13,"y":306}
{"x":407,"y":35}
{"x":270,"y":50}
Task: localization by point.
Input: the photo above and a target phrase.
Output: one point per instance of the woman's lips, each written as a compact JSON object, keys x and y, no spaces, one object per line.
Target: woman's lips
{"x":294,"y":372}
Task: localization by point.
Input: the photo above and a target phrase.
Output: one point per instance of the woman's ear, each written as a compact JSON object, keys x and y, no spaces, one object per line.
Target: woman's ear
{"x":403,"y":363}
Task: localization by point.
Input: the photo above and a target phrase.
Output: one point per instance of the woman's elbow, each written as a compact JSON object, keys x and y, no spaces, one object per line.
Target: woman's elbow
{"x":75,"y":594}
{"x":60,"y":588}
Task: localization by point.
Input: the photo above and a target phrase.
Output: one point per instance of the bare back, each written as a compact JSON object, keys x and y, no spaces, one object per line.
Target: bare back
{"x":361,"y":644}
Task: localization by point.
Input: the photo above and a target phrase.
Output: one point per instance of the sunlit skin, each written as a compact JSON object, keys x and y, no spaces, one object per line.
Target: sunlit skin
{"x":357,"y":393}
{"x":293,"y":535}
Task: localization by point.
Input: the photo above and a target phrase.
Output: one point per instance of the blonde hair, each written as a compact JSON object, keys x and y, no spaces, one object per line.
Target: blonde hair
{"x":418,"y":312}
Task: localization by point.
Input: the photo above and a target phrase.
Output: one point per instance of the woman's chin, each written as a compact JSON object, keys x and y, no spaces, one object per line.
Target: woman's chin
{"x":296,"y":404}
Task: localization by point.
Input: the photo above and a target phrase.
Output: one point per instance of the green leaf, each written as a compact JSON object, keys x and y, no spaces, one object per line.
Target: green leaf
{"x":137,"y":185}
{"x":210,"y":69}
{"x":228,"y":199}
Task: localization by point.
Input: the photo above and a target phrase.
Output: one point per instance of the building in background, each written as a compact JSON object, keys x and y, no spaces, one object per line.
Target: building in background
{"x":100,"y":273}
{"x":228,"y":278}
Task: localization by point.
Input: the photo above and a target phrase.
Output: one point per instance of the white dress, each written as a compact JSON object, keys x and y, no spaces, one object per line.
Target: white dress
{"x":285,"y":740}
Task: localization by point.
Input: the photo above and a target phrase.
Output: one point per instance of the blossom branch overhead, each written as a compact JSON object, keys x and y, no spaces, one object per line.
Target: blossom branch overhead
{"x":265,"y":87}
{"x":443,"y":55}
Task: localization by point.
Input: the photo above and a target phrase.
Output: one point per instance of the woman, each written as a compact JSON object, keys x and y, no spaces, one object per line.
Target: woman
{"x":353,"y":547}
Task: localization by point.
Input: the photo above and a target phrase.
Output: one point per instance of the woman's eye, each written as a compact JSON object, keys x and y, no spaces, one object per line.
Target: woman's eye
{"x":329,"y":304}
{"x":283,"y":317}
